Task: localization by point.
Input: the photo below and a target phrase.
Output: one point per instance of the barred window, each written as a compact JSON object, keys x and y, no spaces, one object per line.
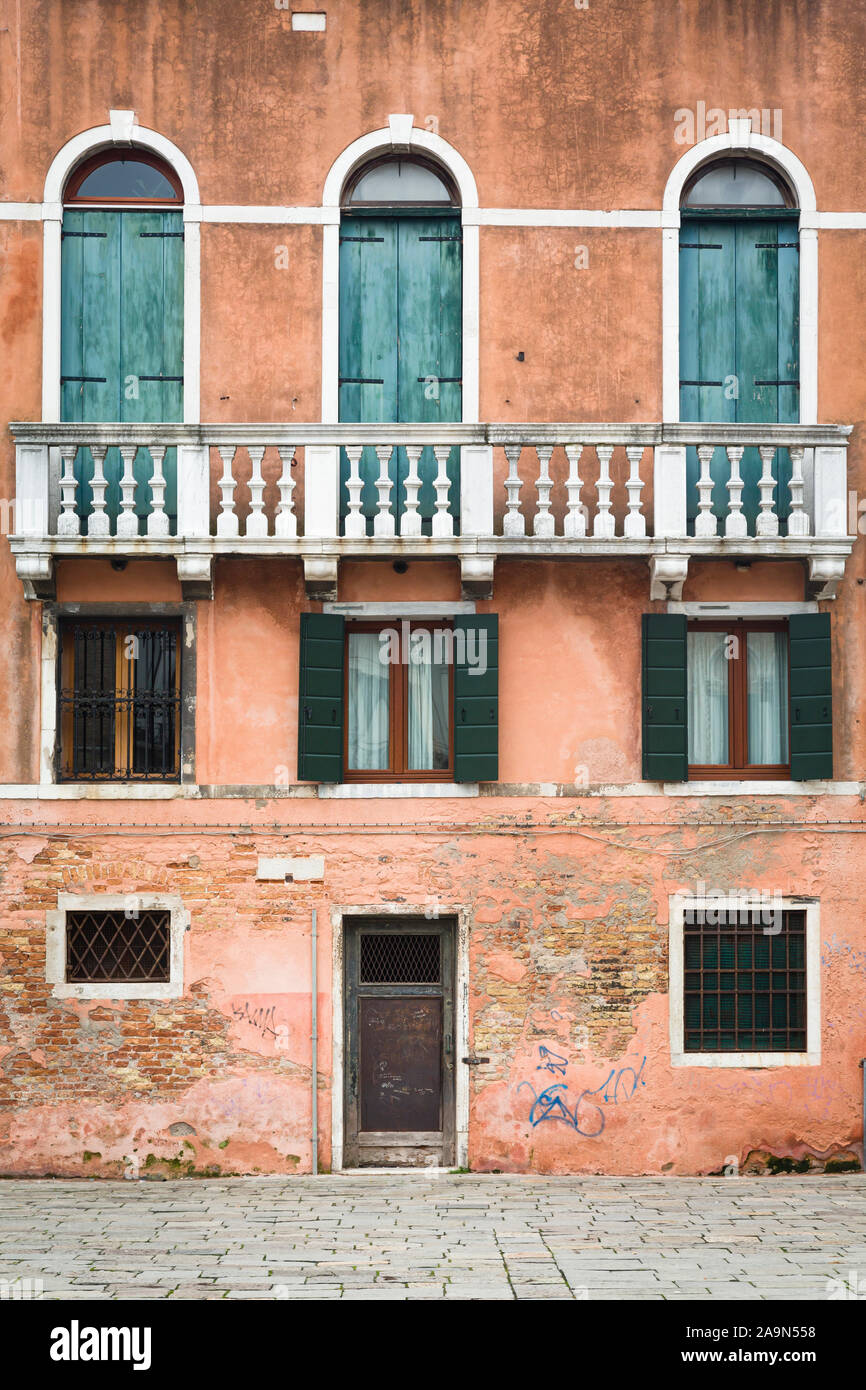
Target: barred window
{"x":119,"y":701}
{"x":120,"y":947}
{"x":744,"y":980}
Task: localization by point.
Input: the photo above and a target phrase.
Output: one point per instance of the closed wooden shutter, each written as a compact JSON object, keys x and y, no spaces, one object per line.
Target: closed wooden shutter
{"x":321,"y":698}
{"x":665,"y":698}
{"x":811,"y":690}
{"x":476,"y":698}
{"x":122,"y":335}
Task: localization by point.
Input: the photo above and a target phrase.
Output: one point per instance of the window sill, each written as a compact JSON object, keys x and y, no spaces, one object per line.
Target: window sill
{"x":760,"y":787}
{"x":108,"y":991}
{"x":745,"y":1059}
{"x":372,"y":791}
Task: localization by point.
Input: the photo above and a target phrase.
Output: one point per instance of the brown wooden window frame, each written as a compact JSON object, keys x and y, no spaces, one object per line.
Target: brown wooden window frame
{"x":398,"y":711}
{"x":124,"y":709}
{"x":737,"y":768}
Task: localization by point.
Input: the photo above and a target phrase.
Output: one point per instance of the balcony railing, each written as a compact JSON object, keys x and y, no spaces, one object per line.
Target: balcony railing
{"x":473,"y":491}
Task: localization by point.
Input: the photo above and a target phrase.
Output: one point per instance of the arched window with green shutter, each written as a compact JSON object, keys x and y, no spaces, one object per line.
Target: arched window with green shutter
{"x":739,"y":318}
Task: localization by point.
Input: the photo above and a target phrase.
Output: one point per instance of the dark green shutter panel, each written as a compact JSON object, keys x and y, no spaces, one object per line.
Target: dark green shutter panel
{"x":321,"y":698}
{"x":665,"y":698}
{"x":122,"y":336}
{"x":476,"y":698}
{"x":811,"y":696}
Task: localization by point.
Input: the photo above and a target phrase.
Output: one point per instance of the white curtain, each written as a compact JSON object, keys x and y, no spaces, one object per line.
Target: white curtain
{"x":368,"y":703}
{"x":708,"y":697}
{"x":767,"y":674}
{"x":428,"y":703}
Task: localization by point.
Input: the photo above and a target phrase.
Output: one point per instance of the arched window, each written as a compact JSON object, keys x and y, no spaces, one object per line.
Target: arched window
{"x":739,"y":315}
{"x":737,"y":183}
{"x":121,"y":355}
{"x":136,"y":177}
{"x":401,"y":316}
{"x":400,"y":182}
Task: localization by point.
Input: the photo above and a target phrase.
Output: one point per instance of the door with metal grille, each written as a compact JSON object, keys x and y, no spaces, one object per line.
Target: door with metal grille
{"x":399,"y":1045}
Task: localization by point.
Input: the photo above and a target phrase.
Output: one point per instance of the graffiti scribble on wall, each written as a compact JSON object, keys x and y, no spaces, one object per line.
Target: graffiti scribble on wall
{"x":586,"y":1116}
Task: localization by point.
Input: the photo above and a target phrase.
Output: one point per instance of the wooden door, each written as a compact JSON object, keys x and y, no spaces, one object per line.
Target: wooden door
{"x":739,"y":341}
{"x":122,"y":336}
{"x":399,"y":1044}
{"x":401,"y":348}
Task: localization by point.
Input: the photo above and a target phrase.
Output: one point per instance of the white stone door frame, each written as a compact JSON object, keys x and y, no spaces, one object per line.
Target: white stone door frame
{"x":416,"y":912}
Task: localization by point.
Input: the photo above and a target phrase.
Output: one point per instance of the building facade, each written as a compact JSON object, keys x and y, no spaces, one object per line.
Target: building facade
{"x":431,"y":660}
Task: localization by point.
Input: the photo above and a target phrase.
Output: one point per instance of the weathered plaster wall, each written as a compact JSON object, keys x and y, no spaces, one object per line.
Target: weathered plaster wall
{"x":568,"y":972}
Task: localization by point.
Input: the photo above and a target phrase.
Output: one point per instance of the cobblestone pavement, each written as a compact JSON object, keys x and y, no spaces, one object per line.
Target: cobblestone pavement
{"x":406,"y":1236}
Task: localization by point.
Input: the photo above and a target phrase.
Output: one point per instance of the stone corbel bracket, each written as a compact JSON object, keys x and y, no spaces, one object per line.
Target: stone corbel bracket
{"x":35,"y":569}
{"x":668,"y":573}
{"x":825,"y":574}
{"x":320,"y":577}
{"x":195,"y":573}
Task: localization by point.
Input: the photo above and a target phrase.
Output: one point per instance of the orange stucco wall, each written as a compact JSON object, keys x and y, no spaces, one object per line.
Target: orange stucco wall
{"x":565,"y":895}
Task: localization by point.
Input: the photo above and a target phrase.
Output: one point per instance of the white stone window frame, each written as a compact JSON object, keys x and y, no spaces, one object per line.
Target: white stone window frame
{"x":55,"y":945}
{"x":679,"y":904}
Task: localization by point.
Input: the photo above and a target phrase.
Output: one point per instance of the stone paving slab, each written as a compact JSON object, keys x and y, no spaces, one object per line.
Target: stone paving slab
{"x":407,"y":1236}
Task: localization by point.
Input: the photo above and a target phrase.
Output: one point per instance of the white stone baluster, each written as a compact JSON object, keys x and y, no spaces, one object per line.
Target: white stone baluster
{"x":68,"y":522}
{"x":157,"y":517}
{"x":285,"y":521}
{"x":767,"y":523}
{"x":514,"y":523}
{"x":574,"y":524}
{"x":735,"y":521}
{"x":604,"y":521}
{"x":706,"y":524}
{"x":410,"y":521}
{"x":798,"y":520}
{"x":543,"y":522}
{"x":227,"y":520}
{"x":257,"y":522}
{"x":97,"y":522}
{"x":383,"y":521}
{"x":634,"y":523}
{"x":443,"y":522}
{"x":355,"y":523}
{"x":127,"y":521}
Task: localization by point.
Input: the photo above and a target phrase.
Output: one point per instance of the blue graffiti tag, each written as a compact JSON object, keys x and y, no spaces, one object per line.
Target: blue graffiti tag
{"x":550,"y":1103}
{"x":551,"y":1061}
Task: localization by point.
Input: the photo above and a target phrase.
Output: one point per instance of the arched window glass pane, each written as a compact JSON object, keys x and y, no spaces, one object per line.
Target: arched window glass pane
{"x":126,"y":178}
{"x":400,"y":181}
{"x":735,"y":184}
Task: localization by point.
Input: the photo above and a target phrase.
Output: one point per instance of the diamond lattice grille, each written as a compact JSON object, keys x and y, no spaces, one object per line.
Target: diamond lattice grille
{"x":391,"y":959}
{"x":113,"y":947}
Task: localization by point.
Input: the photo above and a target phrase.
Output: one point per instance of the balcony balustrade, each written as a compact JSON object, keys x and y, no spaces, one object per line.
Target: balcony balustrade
{"x":474,"y":492}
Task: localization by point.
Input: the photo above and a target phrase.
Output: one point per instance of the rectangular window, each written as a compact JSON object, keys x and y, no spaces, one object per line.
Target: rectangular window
{"x":744,"y":976}
{"x":119,"y":701}
{"x":399,"y":693}
{"x":118,"y":947}
{"x":738,"y":719}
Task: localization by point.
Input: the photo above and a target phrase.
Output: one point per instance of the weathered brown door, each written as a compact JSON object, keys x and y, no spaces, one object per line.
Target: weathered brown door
{"x":399,"y":1047}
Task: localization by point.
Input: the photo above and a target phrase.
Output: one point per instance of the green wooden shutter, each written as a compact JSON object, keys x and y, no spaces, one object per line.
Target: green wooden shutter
{"x":122,"y":335}
{"x":739,"y":341}
{"x":665,"y":698}
{"x":476,"y":697}
{"x":401,"y":347}
{"x":811,"y":696}
{"x":321,"y":698}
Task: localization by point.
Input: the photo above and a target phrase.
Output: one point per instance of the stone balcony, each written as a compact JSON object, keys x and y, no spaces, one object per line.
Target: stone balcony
{"x":558,"y":490}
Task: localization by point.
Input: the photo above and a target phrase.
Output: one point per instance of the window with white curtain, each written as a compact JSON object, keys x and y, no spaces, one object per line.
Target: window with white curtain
{"x":399,"y":695}
{"x":738,"y":699}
